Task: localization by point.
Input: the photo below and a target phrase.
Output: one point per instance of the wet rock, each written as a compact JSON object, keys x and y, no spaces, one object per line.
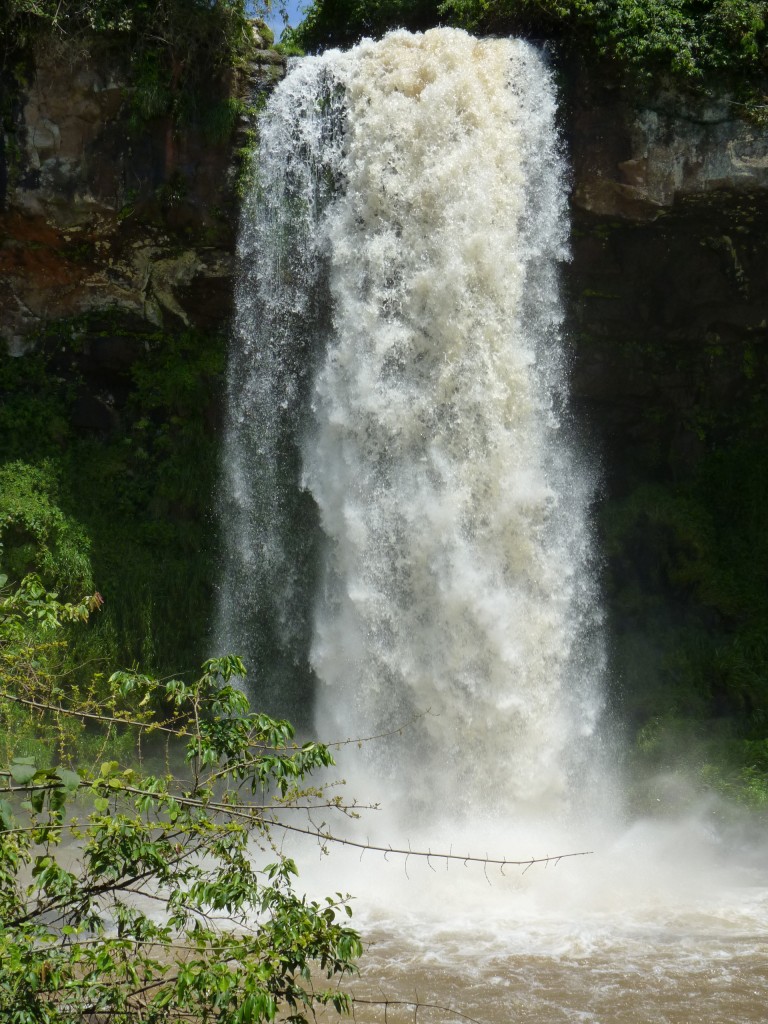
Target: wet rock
{"x":635,"y":156}
{"x":93,"y":414}
{"x":670,"y":329}
{"x":96,"y":216}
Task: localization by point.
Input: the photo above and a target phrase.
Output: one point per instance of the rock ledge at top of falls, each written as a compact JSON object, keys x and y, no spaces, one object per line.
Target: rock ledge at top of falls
{"x":634,"y":158}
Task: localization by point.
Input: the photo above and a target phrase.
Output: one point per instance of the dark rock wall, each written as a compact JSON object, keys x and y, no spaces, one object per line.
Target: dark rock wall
{"x":668,"y":298}
{"x":100,"y":213}
{"x":670,"y":327}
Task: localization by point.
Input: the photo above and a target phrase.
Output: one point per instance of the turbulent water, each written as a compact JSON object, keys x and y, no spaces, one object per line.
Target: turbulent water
{"x":454,"y":579}
{"x":400,"y":279}
{"x":408,"y":541}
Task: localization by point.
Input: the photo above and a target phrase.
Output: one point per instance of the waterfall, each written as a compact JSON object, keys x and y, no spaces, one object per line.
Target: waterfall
{"x":269,"y":523}
{"x":409,"y":555}
{"x":405,"y":513}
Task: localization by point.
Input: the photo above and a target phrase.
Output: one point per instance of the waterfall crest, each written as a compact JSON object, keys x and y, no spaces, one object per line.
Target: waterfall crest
{"x":407,"y":224}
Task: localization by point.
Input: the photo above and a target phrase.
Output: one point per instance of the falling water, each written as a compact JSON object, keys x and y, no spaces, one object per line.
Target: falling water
{"x":455,"y":577}
{"x":406,"y":514}
{"x":270,"y":524}
{"x":400,"y":248}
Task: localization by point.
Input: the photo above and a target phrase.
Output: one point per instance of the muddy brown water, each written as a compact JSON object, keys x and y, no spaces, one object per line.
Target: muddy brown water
{"x":674,"y":980}
{"x":668,"y":924}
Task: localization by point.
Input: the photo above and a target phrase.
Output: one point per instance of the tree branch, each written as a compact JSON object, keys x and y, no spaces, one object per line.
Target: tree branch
{"x":386,"y":850}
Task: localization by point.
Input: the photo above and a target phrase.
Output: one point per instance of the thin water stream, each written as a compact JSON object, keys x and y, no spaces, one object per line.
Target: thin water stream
{"x":407,"y":520}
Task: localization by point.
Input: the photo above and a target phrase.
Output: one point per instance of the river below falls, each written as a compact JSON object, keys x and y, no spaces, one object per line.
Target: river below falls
{"x":665,"y":923}
{"x":663,"y":975}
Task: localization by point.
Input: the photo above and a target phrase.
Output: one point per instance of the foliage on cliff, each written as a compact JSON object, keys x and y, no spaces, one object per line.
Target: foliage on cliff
{"x":692,"y":39}
{"x":112,"y":480}
{"x":687,"y":37}
{"x":687,"y":567}
{"x":209,"y":31}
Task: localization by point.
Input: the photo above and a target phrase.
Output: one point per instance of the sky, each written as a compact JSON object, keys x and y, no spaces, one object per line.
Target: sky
{"x":293,"y":10}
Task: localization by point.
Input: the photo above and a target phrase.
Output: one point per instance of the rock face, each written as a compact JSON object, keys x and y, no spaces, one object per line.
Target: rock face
{"x":668,"y":290}
{"x":635,"y":157}
{"x":669,"y":279}
{"x":97,"y":213}
{"x":670,"y":329}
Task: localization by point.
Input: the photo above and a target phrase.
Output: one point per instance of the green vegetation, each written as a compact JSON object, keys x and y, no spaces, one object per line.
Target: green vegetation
{"x":693,"y":40}
{"x":688,"y":563}
{"x":689,"y":38}
{"x":177,"y":55}
{"x":113,"y":480}
{"x":36,"y":533}
{"x":127,"y":893}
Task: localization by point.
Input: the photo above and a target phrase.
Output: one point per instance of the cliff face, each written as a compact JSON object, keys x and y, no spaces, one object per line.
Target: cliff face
{"x":116,"y":254}
{"x":636,"y":156}
{"x":668,"y":294}
{"x":669,"y":273}
{"x":669,"y":209}
{"x":99,"y":213}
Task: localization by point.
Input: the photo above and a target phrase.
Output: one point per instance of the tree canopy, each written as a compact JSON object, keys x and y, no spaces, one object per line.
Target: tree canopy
{"x":691,"y":39}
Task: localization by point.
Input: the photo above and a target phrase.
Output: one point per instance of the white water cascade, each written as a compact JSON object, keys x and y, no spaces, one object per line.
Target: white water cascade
{"x":455,"y":577}
{"x":419,"y":182}
{"x":408,"y":538}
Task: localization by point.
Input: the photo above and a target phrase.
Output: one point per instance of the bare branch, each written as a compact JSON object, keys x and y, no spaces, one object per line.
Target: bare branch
{"x":91,"y":716}
{"x":396,"y":731}
{"x":468,"y":859}
{"x":416,"y":1004}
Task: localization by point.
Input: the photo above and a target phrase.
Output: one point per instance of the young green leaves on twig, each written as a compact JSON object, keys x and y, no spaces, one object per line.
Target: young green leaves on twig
{"x":143,"y":896}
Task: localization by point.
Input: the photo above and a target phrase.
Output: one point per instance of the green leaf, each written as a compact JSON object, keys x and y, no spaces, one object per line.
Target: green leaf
{"x":6,"y":816}
{"x":22,"y":773}
{"x":36,"y":799}
{"x":70,"y":780}
{"x":58,"y":798}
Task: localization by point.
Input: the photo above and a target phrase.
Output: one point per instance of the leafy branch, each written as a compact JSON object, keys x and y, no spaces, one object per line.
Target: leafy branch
{"x":143,"y":896}
{"x":137,"y":896}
